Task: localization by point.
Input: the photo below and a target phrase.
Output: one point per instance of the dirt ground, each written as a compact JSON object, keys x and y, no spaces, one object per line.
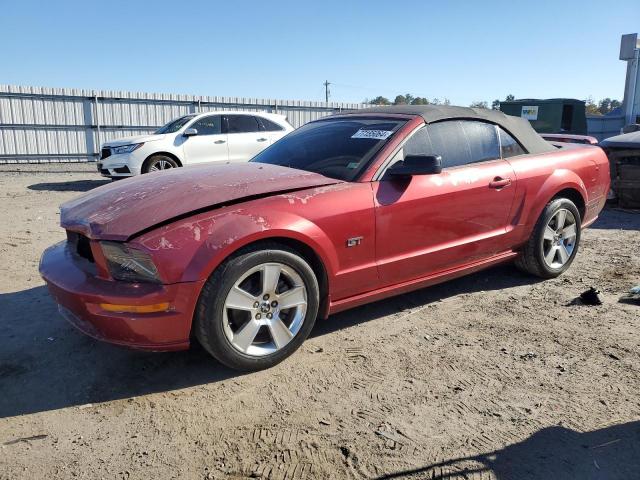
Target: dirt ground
{"x":496,"y":375}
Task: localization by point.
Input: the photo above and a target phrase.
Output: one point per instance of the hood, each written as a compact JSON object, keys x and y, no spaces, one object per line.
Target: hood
{"x":121,"y":209}
{"x":626,"y":140}
{"x":129,"y":140}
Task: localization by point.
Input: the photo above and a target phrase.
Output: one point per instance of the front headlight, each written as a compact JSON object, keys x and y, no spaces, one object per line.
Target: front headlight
{"x":128,"y":264}
{"x":125,"y":148}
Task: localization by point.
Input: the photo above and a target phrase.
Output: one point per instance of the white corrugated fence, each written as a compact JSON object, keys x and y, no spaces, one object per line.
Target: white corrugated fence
{"x":42,"y":125}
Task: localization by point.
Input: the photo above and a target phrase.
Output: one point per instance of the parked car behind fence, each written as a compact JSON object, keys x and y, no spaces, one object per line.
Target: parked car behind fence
{"x":191,"y":139}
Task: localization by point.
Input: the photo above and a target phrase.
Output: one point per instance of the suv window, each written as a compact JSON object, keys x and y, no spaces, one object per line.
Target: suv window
{"x":462,"y":142}
{"x":210,"y":125}
{"x":174,"y":125}
{"x":508,"y":145}
{"x":268,"y":125}
{"x":242,"y":124}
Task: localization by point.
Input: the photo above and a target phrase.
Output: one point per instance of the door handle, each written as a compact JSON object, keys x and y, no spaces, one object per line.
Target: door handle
{"x":499,"y":182}
{"x":262,"y":139}
{"x":220,"y":141}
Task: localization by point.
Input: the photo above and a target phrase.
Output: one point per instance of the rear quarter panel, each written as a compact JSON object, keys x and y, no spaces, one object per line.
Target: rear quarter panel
{"x":582,"y":168}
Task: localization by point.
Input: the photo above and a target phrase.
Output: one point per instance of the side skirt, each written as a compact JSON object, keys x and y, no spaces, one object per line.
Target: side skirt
{"x":418,"y":283}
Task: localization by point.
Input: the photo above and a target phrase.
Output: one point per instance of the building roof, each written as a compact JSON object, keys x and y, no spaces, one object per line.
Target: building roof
{"x":519,"y":128}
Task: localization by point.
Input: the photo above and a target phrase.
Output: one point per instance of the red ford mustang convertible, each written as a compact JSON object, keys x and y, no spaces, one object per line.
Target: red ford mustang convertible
{"x":343,"y":211}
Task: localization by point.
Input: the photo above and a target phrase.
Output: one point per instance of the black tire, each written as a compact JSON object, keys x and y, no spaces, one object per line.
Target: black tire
{"x":532,"y":258}
{"x":209,"y":319}
{"x":156,"y":160}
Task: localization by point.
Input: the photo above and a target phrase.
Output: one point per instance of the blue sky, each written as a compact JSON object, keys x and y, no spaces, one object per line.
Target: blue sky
{"x":461,"y":50}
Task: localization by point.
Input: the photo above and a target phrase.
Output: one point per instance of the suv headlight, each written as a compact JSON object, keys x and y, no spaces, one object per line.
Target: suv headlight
{"x":128,"y":264}
{"x":125,"y":148}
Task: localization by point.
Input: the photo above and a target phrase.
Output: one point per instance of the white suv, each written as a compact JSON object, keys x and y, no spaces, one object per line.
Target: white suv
{"x":192,"y":139}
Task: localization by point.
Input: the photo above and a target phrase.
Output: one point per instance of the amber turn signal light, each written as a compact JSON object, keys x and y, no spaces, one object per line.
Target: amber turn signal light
{"x":153,"y":308}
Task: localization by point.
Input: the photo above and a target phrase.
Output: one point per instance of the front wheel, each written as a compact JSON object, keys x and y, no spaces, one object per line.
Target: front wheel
{"x":554,"y":242}
{"x":257,"y":308}
{"x":157,"y":163}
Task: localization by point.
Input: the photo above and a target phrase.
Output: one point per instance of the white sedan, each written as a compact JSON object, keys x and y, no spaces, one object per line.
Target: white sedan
{"x":192,"y":139}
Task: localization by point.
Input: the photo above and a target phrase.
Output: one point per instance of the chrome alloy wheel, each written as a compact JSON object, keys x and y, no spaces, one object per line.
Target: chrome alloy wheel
{"x":265,"y":309}
{"x":160,"y":165}
{"x":559,"y":239}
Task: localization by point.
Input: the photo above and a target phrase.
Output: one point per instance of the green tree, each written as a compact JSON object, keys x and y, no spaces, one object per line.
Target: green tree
{"x":509,"y":98}
{"x":407,"y":99}
{"x":591,"y":107}
{"x":379,"y":100}
{"x":495,"y":105}
{"x":400,"y":100}
{"x":479,"y":104}
{"x":420,"y":101}
{"x":606,"y":105}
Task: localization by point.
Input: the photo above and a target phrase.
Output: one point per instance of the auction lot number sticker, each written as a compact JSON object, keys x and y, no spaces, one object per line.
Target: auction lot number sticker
{"x":372,"y":134}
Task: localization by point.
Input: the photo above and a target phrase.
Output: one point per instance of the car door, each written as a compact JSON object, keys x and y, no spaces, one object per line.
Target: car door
{"x":245,"y":138}
{"x":209,"y":144}
{"x":432,"y":223}
{"x":272,"y":130}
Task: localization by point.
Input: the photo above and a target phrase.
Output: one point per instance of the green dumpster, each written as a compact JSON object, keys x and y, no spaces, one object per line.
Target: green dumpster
{"x":555,"y":115}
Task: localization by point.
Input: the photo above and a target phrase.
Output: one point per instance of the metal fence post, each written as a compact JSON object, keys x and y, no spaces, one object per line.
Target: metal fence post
{"x":87,"y":111}
{"x":97,"y":122}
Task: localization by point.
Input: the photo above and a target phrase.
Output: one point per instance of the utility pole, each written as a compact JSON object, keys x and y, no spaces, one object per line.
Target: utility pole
{"x":326,"y":90}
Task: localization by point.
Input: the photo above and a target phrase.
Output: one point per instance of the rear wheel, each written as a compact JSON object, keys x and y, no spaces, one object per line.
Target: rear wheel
{"x":157,"y":163}
{"x":554,"y":242}
{"x":257,"y":308}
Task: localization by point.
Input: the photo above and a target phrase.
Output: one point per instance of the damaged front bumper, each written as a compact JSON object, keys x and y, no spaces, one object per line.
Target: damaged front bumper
{"x":83,"y":299}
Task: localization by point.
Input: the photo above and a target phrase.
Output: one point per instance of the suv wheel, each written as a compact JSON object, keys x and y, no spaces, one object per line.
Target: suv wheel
{"x":157,"y":163}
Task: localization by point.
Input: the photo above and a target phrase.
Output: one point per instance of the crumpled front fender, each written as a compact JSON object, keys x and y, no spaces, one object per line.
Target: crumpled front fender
{"x":191,"y":249}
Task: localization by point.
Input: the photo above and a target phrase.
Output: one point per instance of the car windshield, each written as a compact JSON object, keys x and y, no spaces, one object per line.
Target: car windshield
{"x":338,"y":148}
{"x":174,"y":125}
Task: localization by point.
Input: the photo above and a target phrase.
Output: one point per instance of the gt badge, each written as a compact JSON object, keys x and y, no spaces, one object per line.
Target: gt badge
{"x":352,"y":242}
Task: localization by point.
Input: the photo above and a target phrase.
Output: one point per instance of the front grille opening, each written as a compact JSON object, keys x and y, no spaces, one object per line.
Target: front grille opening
{"x":124,"y":169}
{"x":80,"y":245}
{"x":84,"y":248}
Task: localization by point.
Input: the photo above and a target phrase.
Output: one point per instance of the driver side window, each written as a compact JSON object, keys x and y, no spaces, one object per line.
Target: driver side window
{"x":208,"y":125}
{"x":418,"y":144}
{"x":463,"y":142}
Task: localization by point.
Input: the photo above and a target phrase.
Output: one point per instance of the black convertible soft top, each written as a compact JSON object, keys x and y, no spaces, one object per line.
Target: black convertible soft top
{"x":519,"y":128}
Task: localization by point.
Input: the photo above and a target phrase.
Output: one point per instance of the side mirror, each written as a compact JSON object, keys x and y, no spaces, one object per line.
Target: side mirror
{"x":417,"y":165}
{"x":190,"y":132}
